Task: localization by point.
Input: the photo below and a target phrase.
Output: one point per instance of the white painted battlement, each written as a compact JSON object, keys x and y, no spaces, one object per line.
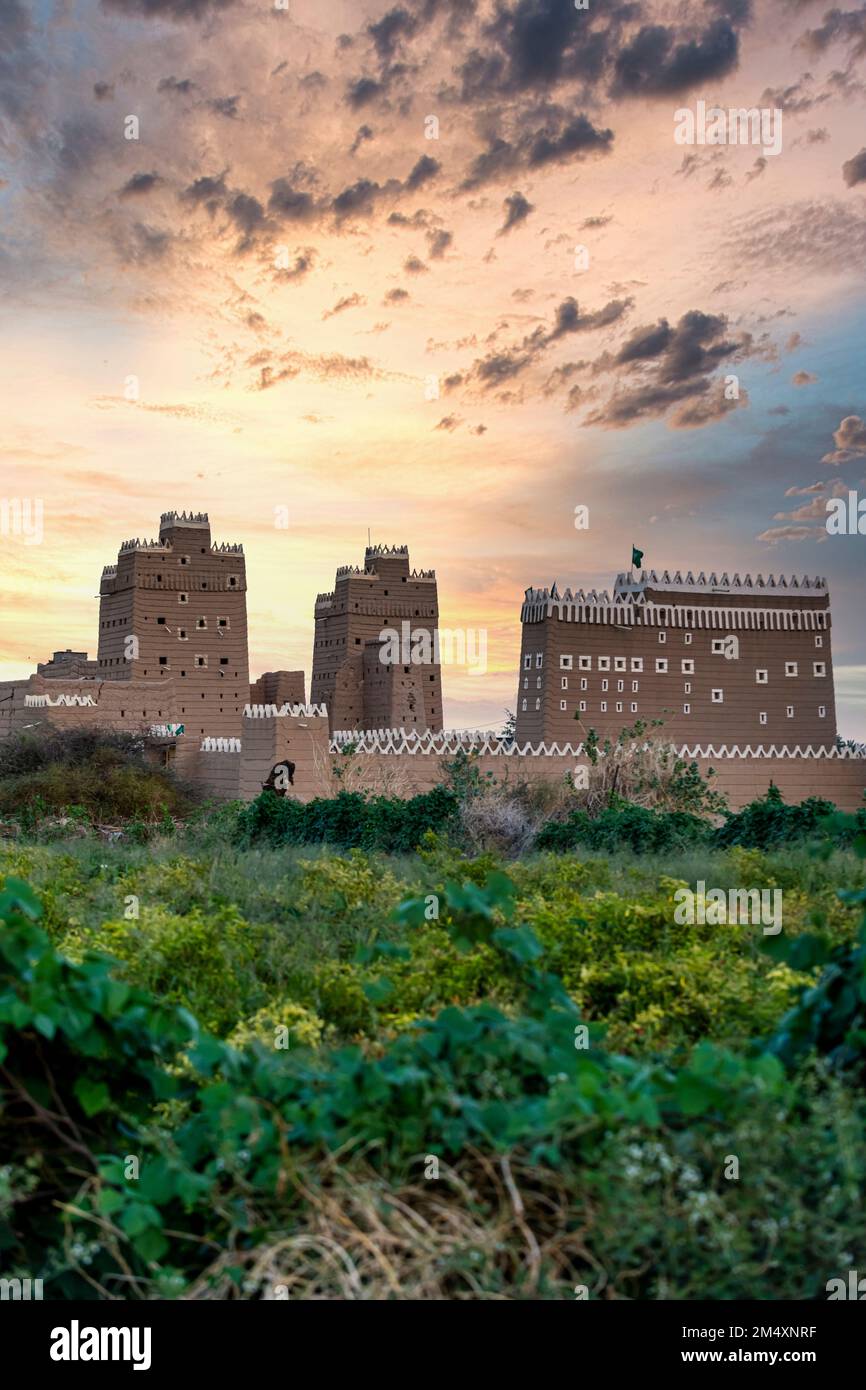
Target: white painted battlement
{"x":42,"y":701}
{"x":220,"y":745}
{"x":393,"y":741}
{"x":281,"y":711}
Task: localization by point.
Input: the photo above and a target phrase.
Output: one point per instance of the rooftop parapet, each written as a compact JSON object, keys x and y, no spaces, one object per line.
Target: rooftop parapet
{"x":169,"y":519}
{"x":703,"y":583}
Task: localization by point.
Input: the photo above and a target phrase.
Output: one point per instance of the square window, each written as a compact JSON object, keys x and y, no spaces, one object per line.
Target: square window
{"x":184,"y":560}
{"x":222,"y":622}
{"x":717,"y":697}
{"x":183,"y":598}
{"x":687,"y":666}
{"x":717,"y":646}
{"x":661,"y":665}
{"x":619,"y":663}
{"x":201,"y":623}
{"x":604,"y":663}
{"x":819,"y":668}
{"x":201,"y":661}
{"x":584,"y":663}
{"x":163,"y":661}
{"x":224,"y":661}
{"x":790,"y":668}
{"x":637,"y":663}
{"x":761,"y":677}
{"x":566,"y":663}
{"x":161,"y":622}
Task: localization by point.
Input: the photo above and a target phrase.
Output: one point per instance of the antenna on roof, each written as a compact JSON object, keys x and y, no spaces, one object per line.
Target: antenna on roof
{"x":369,"y":542}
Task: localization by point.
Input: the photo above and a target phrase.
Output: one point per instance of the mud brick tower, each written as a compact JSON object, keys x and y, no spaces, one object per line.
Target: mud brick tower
{"x":722,"y":661}
{"x":349,"y":677}
{"x":173,"y":611}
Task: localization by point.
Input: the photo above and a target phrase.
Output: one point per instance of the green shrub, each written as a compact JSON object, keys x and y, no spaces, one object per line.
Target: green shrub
{"x":770,"y":821}
{"x":625,"y":825}
{"x":348,"y":820}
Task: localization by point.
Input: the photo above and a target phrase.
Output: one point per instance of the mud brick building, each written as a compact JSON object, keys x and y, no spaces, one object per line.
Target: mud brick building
{"x":719,"y":660}
{"x":358,"y":687}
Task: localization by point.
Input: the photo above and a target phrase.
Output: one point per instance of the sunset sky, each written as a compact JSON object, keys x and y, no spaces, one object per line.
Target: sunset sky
{"x":286,"y":268}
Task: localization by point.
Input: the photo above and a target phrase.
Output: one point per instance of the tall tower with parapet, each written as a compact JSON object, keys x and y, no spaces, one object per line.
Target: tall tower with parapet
{"x":174,"y":610}
{"x":355,"y":673}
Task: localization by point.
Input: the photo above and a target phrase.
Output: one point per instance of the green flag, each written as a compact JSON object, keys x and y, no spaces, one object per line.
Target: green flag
{"x":636,"y":557}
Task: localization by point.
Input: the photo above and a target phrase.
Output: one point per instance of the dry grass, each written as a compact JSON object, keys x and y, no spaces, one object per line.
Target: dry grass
{"x":488,"y":1230}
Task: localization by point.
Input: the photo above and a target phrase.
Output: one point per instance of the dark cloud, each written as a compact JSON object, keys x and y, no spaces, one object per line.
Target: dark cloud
{"x":364,"y":132}
{"x":103,"y":91}
{"x":141,"y":244}
{"x":387,"y":32}
{"x":504,"y":364}
{"x":140,"y":184}
{"x":517,"y":209}
{"x":169,"y":9}
{"x":839,"y":26}
{"x":654,"y":64}
{"x":304,"y":262}
{"x":448,"y":422}
{"x":225,"y":106}
{"x":397,"y":296}
{"x":207,"y":191}
{"x":425,"y":169}
{"x":556,"y":139}
{"x":363,"y":91}
{"x":413,"y":266}
{"x":349,"y":301}
{"x":438,"y":241}
{"x":181,"y":87}
{"x":854,"y":170}
{"x":290,"y":203}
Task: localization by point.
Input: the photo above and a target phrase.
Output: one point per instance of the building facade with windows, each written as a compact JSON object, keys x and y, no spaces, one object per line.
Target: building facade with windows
{"x":717,"y":659}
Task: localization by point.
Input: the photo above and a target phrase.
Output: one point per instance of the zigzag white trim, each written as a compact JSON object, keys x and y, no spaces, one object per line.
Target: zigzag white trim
{"x":220,"y":745}
{"x":280,"y":711}
{"x":452,"y":742}
{"x":40,"y":701}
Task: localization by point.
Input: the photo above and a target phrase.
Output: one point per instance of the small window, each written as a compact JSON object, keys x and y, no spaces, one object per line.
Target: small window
{"x":822,"y":711}
{"x":525,"y":682}
{"x":539,"y":660}
{"x":527,"y":663}
{"x":790,"y":668}
{"x":819,"y":641}
{"x":687,"y":687}
{"x":717,"y":697}
{"x":637,"y":663}
{"x":562,"y":704}
{"x":183,"y":598}
{"x":761,"y":677}
{"x":717,"y":646}
{"x":233,"y":582}
{"x":584,"y":663}
{"x":223,"y":622}
{"x":603,"y":706}
{"x":634,"y":686}
{"x":163,"y":661}
{"x":583,"y":683}
{"x":605,"y":684}
{"x":687,"y":638}
{"x":661,"y":665}
{"x":687,"y":709}
{"x":619,"y":663}
{"x":663,"y":637}
{"x":563,"y":682}
{"x":633,"y":707}
{"x":184,"y":560}
{"x":789,"y":712}
{"x":604,"y":663}
{"x":582,"y":706}
{"x":201,"y":623}
{"x":688,"y":666}
{"x":538,"y":704}
{"x":566,"y":663}
{"x":201,"y":661}
{"x":161,"y":622}
{"x":181,"y":634}
{"x":523,"y":705}
{"x":819,"y":668}
{"x":224,"y":661}
{"x":620,"y":685}
{"x":619,"y":706}
{"x":762,"y":717}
